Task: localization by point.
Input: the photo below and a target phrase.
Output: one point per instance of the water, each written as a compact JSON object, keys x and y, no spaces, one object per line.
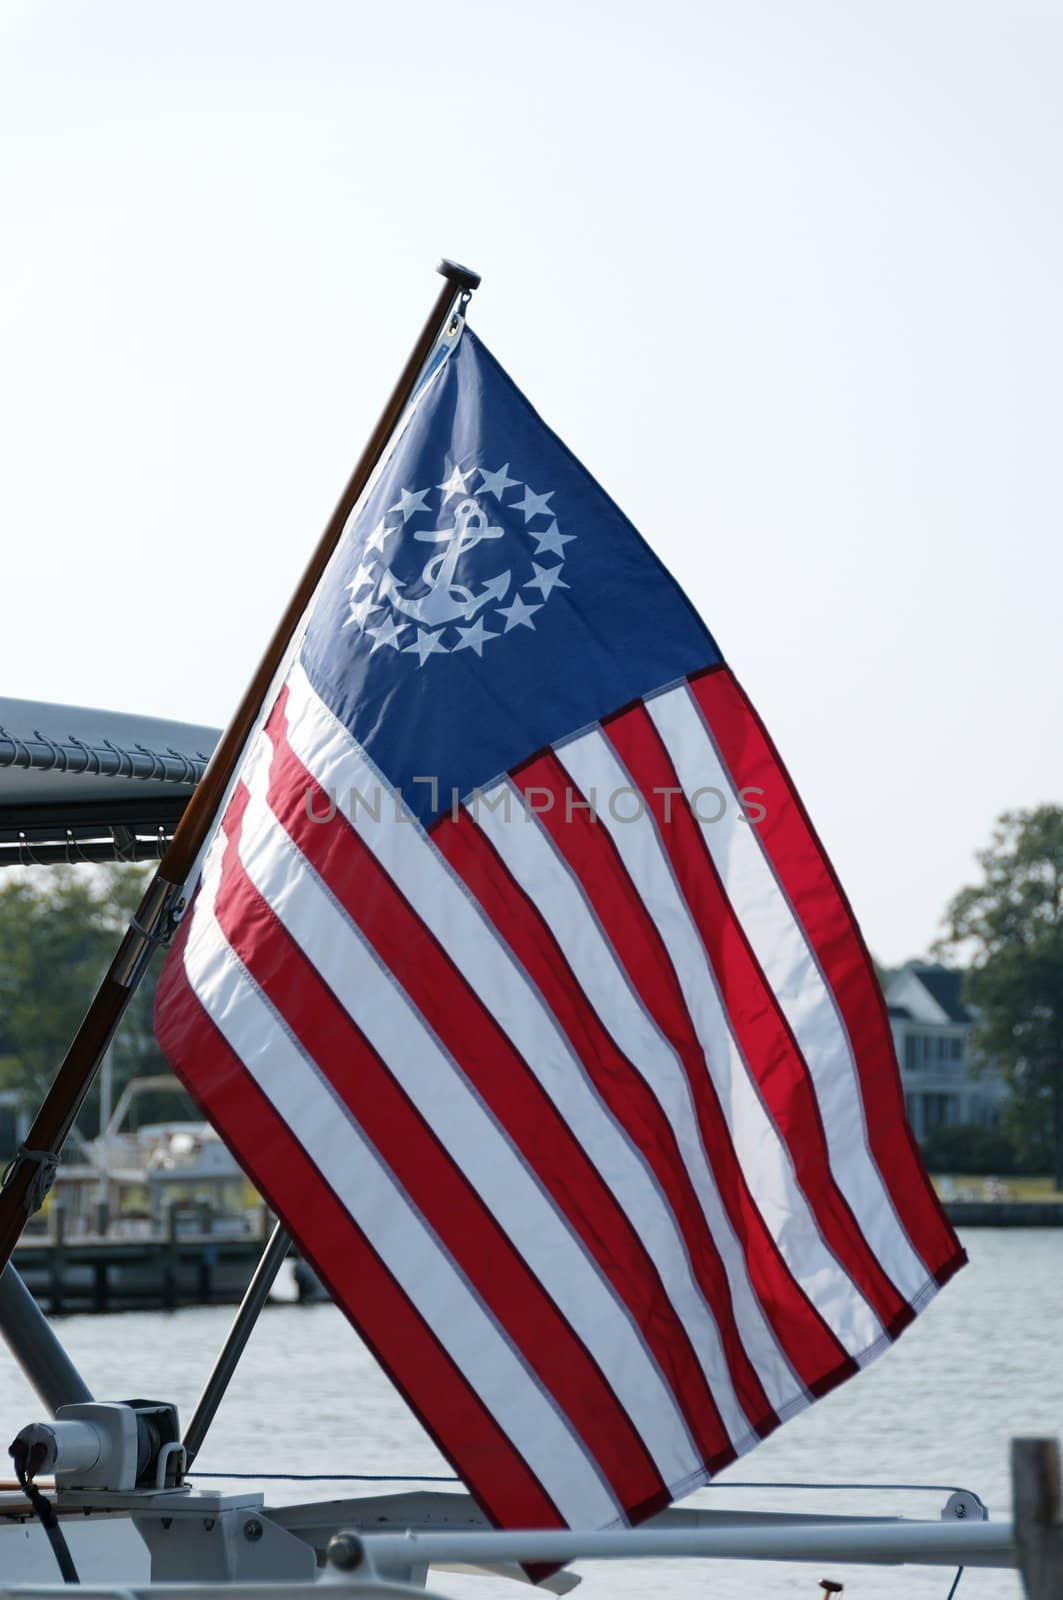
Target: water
{"x":981,"y":1364}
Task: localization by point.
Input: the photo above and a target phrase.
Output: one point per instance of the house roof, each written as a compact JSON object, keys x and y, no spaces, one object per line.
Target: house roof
{"x":946,"y":988}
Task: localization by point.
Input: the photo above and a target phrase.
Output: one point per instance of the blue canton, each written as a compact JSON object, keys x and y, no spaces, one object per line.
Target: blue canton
{"x":488,"y":599}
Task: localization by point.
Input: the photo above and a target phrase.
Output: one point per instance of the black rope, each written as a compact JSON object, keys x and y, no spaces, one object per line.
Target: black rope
{"x":24,"y":1470}
{"x":45,"y":1164}
{"x":912,"y":1488}
{"x":955,"y":1583}
{"x":334,"y":1477}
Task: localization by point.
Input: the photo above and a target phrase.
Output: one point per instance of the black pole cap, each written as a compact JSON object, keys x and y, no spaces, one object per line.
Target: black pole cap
{"x":461,"y":277}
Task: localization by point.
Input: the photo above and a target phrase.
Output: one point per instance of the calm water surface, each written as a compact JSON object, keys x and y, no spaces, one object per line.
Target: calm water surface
{"x":981,"y":1364}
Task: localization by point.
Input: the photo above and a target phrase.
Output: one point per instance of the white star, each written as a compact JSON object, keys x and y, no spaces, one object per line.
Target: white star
{"x":409,"y":504}
{"x":376,"y":539}
{"x":387,"y":633}
{"x":360,"y":610}
{"x":534,"y":505}
{"x":426,"y":644}
{"x":496,"y":483}
{"x":474,"y":638}
{"x":552,"y":541}
{"x":546,"y":579}
{"x":361,"y":577}
{"x":519,"y":613}
{"x":455,"y":484}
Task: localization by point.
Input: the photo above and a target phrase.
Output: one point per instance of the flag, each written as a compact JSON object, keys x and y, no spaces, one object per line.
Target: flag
{"x":519,"y":982}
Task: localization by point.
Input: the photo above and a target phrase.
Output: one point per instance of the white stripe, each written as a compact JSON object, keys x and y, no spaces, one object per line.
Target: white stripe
{"x":780,"y":946}
{"x":442,"y":902}
{"x":761,"y":1151}
{"x":436,"y":1086}
{"x":383,"y":1213}
{"x":531,"y":859}
{"x":669,"y":1085}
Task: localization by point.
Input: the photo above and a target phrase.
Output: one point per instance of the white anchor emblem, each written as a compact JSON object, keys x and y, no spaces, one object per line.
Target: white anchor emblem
{"x":443,"y":616}
{"x":447,"y":600}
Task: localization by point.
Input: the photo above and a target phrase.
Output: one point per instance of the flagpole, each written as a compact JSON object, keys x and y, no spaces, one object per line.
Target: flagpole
{"x":30,"y":1175}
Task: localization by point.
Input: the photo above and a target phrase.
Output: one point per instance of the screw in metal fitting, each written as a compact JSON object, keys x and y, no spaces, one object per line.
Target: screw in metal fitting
{"x":345,"y":1551}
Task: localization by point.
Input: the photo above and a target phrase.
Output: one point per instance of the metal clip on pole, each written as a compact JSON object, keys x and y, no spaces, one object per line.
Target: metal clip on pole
{"x":148,"y":931}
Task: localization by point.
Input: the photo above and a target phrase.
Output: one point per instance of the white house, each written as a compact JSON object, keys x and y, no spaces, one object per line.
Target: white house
{"x":931,"y":1034}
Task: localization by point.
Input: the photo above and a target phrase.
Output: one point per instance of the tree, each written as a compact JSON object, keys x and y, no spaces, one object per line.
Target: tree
{"x":1010,"y":927}
{"x":981,"y":1152}
{"x":58,"y":933}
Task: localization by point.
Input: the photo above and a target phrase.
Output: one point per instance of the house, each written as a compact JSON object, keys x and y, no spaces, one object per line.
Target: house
{"x":932,"y":1037}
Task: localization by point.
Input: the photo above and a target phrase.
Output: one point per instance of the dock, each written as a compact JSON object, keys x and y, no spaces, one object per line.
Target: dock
{"x":1005,"y":1213}
{"x":185,"y":1261}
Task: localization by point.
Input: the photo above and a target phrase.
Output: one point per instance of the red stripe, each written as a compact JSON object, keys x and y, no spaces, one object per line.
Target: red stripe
{"x":584,"y":843}
{"x":801,"y":866}
{"x":506,"y":1085}
{"x":424,"y":1169}
{"x":759,"y":1027}
{"x":622,"y":1088}
{"x":403,"y":1343}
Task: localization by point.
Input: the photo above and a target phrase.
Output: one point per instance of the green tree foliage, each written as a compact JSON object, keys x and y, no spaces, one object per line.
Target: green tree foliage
{"x":59,"y":929}
{"x":982,"y":1152}
{"x":1010,"y":926}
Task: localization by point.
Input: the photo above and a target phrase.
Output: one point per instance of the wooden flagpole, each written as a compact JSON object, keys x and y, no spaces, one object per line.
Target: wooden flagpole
{"x":29,"y":1177}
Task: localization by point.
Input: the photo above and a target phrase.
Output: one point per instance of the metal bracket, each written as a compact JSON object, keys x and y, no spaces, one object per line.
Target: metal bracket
{"x":165,"y":1476}
{"x":964,"y":1506}
{"x":159,"y":908}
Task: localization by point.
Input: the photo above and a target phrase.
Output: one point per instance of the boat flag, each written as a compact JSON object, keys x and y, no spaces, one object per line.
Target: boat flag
{"x":517,"y":978}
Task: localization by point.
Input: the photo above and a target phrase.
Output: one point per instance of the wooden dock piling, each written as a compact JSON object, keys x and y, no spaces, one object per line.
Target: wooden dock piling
{"x":57,"y":1259}
{"x":1038,"y":1516}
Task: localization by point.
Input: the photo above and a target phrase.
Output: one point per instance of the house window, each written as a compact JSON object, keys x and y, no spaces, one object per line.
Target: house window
{"x":935,"y":1111}
{"x":911,"y":1053}
{"x":956,"y":1048}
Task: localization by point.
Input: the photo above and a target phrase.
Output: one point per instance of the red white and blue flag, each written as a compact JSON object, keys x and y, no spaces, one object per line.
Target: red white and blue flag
{"x":518,"y":980}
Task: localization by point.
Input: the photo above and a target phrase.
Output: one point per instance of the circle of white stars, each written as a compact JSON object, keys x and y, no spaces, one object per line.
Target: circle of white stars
{"x":372,"y":586}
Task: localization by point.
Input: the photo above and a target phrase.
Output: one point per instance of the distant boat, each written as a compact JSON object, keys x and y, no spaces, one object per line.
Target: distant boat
{"x":131,"y":1177}
{"x":160,"y":1214}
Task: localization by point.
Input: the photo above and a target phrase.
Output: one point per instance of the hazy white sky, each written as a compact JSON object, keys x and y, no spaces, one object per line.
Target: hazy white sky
{"x":786,"y":276}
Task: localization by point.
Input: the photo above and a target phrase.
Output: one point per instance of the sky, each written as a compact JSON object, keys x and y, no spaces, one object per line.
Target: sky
{"x":785,"y":276}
